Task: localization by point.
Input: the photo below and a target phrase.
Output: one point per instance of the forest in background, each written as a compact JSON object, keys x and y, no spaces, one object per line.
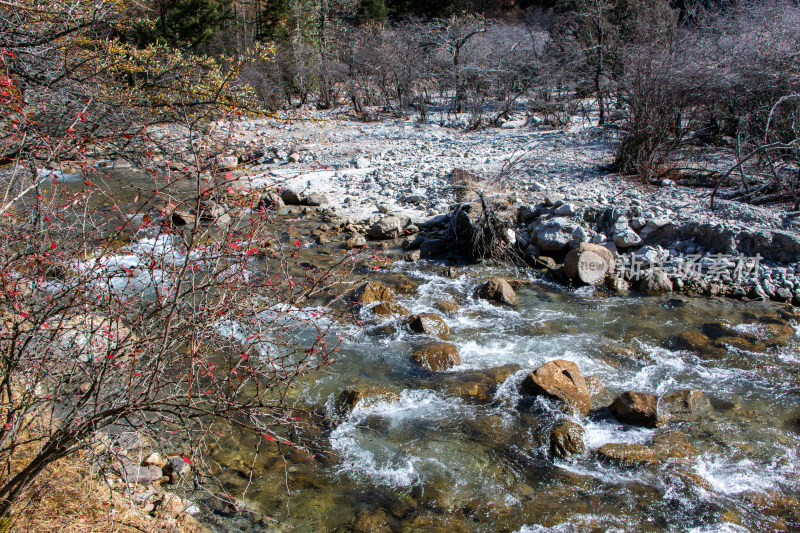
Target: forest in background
{"x":664,"y":74}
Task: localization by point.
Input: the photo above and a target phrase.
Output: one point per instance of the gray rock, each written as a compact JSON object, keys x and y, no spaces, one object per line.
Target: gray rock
{"x":271,"y":201}
{"x":133,"y":473}
{"x":316,"y":199}
{"x":554,"y":234}
{"x":355,"y":241}
{"x":361,"y":162}
{"x":389,"y":227}
{"x":580,"y":235}
{"x":290,"y":197}
{"x":551,"y":198}
{"x":294,"y":157}
{"x":626,"y":238}
{"x":565,"y":210}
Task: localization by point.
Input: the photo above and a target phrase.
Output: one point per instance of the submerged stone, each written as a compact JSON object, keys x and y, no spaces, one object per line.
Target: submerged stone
{"x":566,"y":439}
{"x":437,"y":357}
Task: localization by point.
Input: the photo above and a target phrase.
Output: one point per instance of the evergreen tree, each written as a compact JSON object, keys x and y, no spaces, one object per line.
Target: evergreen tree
{"x":371,"y":11}
{"x":192,"y":22}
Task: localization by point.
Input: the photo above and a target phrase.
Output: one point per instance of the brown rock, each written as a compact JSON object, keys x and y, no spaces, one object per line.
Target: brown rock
{"x":446,"y":306}
{"x":566,"y":439}
{"x":655,"y":281}
{"x":471,"y":390}
{"x":560,"y":380}
{"x":347,"y":401}
{"x":387,"y":309}
{"x":373,"y":291}
{"x":685,"y":405}
{"x":498,"y":290}
{"x":637,"y":409}
{"x":429,"y":324}
{"x":629,"y":454}
{"x":589,"y":263}
{"x":437,"y":357}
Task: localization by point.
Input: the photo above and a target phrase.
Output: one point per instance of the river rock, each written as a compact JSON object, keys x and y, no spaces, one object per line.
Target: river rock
{"x":182,"y":217}
{"x":560,"y":380}
{"x":687,"y":405}
{"x":356,"y":240}
{"x":554,"y":234}
{"x":142,"y":475}
{"x":473,"y":388}
{"x":316,"y":199}
{"x":291,"y":197}
{"x":271,"y":201}
{"x":429,"y":324}
{"x":431,"y":248}
{"x":389,"y":309}
{"x":347,"y":401}
{"x":566,"y":439}
{"x":94,"y":338}
{"x":446,"y":306}
{"x":176,"y":468}
{"x":213,"y":212}
{"x":389,"y":227}
{"x":437,"y":357}
{"x":374,"y":291}
{"x":655,"y":281}
{"x":637,"y":409}
{"x":601,"y":396}
{"x":589,"y":263}
{"x":497,"y":290}
{"x":617,"y":284}
{"x":626,"y":238}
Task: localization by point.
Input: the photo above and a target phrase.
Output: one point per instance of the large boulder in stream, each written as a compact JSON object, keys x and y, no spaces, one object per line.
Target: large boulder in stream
{"x":589,"y":263}
{"x":560,"y":380}
{"x":498,"y":290}
{"x":429,"y":324}
{"x":637,"y":409}
{"x":437,"y":357}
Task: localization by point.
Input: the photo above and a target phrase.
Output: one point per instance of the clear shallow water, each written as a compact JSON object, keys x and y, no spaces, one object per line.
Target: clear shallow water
{"x":416,"y":455}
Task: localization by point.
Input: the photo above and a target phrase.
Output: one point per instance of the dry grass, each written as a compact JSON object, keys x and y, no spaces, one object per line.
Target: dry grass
{"x":70,"y":498}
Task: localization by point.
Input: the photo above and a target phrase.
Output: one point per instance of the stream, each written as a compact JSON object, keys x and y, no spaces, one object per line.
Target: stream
{"x":462,"y":451}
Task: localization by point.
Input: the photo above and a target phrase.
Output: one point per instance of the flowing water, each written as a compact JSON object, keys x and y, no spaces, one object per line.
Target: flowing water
{"x":462,"y":450}
{"x":422,"y":452}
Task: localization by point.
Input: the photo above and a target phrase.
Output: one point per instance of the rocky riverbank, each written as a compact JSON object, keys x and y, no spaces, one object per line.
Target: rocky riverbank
{"x":383,"y":181}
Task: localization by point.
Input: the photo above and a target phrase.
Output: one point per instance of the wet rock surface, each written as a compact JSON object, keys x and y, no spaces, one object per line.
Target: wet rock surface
{"x":561,"y":380}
